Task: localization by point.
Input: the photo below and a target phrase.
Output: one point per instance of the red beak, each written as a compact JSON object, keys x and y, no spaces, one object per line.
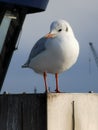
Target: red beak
{"x":49,"y":35}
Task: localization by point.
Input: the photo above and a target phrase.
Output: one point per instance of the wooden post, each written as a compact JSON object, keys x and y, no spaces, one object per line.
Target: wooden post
{"x":52,"y":111}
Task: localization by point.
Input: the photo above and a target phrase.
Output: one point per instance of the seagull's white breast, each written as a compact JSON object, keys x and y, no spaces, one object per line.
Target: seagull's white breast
{"x":60,"y":54}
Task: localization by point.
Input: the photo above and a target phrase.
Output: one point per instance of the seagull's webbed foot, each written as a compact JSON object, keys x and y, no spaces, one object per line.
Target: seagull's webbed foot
{"x":57,"y":91}
{"x":46,"y":91}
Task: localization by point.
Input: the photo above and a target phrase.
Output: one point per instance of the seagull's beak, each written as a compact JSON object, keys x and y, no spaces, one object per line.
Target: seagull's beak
{"x":50,"y":35}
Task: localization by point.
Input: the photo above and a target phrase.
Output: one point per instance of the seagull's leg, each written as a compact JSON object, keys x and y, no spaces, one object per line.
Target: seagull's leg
{"x":45,"y":82}
{"x":57,"y":86}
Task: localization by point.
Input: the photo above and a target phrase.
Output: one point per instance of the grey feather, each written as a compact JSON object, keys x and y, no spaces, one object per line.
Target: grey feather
{"x":38,"y":48}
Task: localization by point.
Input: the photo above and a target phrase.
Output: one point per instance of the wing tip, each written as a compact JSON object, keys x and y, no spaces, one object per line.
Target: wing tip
{"x":25,"y":65}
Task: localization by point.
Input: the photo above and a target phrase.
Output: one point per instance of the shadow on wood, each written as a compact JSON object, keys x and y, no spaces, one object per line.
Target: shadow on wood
{"x":23,"y":112}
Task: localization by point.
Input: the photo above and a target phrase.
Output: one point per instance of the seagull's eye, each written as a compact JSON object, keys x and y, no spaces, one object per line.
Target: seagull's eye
{"x":66,"y":29}
{"x":59,"y":30}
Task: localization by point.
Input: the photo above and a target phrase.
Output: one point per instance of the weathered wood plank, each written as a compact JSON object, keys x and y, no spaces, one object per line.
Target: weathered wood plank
{"x":23,"y":112}
{"x":52,"y":111}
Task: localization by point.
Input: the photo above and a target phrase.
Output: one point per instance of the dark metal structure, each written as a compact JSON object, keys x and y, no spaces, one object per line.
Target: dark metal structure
{"x":94,"y":52}
{"x":12,"y":15}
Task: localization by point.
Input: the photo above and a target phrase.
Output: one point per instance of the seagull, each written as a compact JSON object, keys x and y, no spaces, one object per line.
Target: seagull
{"x":55,"y":52}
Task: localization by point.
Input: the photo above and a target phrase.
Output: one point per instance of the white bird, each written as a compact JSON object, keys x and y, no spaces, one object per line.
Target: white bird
{"x":55,"y":52}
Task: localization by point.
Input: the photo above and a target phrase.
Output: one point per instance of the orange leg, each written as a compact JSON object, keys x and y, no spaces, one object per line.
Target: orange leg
{"x":57,"y":86}
{"x":45,"y":82}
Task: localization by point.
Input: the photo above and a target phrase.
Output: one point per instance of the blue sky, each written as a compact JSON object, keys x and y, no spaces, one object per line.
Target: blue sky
{"x":83,"y":17}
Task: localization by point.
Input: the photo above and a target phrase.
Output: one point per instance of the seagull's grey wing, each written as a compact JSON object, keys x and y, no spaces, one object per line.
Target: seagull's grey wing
{"x":37,"y":49}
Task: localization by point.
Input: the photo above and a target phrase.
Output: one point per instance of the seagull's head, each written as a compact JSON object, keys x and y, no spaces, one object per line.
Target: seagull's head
{"x":58,"y":28}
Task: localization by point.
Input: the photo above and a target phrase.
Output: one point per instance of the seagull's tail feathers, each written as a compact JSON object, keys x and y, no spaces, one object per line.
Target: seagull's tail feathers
{"x":25,"y":65}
